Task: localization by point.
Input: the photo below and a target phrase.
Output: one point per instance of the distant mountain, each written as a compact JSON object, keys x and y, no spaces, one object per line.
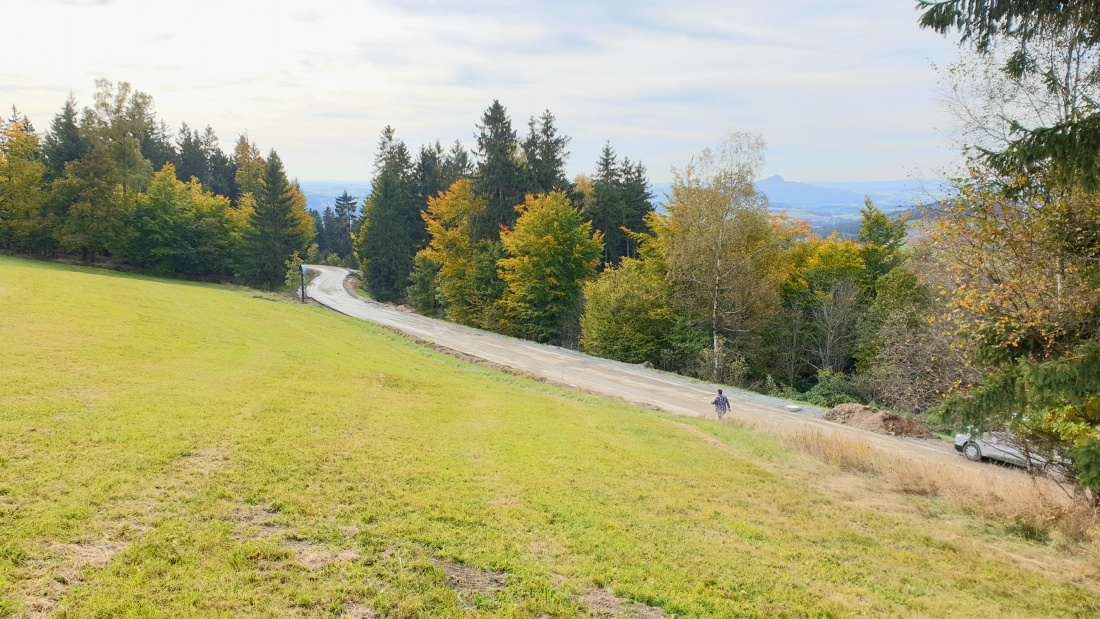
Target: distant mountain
{"x":322,"y":194}
{"x":820,"y":203}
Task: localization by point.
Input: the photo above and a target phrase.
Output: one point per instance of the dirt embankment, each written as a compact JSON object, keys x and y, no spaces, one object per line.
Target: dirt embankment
{"x":875,"y":420}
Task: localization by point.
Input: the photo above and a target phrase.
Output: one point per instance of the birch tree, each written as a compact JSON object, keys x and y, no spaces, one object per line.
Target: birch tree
{"x":723,"y":253}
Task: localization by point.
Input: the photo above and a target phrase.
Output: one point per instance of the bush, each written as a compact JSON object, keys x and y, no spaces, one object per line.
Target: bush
{"x":832,"y":389}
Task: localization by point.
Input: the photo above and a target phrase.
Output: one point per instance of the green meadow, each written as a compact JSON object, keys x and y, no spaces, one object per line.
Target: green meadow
{"x":171,"y":449}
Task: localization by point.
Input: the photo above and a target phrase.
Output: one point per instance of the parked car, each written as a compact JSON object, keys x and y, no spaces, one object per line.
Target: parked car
{"x":1004,"y":447}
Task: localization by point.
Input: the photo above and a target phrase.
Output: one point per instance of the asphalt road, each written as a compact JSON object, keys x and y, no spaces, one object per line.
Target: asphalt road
{"x":629,"y":382}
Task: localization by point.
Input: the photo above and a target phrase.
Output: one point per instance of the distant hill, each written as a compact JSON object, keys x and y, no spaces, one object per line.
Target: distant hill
{"x":821,"y":203}
{"x":322,"y":194}
{"x":824,"y":203}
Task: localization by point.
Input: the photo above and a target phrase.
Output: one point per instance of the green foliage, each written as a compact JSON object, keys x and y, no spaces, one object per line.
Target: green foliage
{"x":880,"y":245}
{"x":392,"y":228}
{"x":544,"y":156}
{"x":1086,"y":459}
{"x":722,"y":253}
{"x":1066,"y":150}
{"x":550,"y":254}
{"x":424,"y":292}
{"x":467,"y":277}
{"x":628,"y":315}
{"x":65,"y":142}
{"x":293,"y":271}
{"x":89,"y":203}
{"x":618,"y":198}
{"x":280,"y":226}
{"x":499,"y":177}
{"x":832,"y":389}
{"x":179,"y":228}
{"x":23,"y":223}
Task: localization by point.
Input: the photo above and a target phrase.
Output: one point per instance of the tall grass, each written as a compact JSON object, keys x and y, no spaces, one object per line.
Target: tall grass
{"x":849,"y":454}
{"x":1032,"y":507}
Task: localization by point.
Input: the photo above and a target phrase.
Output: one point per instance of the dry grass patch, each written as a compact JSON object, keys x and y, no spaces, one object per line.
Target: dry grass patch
{"x":848,"y":454}
{"x":1032,"y":507}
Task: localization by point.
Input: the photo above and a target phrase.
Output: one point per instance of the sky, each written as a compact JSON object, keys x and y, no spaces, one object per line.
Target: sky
{"x":841,"y":90}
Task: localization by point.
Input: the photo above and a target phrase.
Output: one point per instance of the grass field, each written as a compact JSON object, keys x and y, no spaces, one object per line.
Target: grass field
{"x":181,"y":450}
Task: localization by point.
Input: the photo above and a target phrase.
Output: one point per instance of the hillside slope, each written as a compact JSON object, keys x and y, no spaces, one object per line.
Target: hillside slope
{"x":172,"y":449}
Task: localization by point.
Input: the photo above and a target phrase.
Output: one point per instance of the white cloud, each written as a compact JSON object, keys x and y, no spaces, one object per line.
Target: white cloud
{"x":841,"y":90}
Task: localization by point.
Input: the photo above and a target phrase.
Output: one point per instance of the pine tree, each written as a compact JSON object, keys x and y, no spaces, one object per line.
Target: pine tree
{"x":499,"y":177}
{"x":545,"y":154}
{"x":280,"y":226}
{"x":65,"y":141}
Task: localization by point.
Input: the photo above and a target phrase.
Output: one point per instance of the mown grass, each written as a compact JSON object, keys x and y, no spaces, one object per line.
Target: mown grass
{"x":217,"y":440}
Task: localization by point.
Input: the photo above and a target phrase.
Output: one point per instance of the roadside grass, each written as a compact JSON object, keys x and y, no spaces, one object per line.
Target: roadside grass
{"x":178,"y":449}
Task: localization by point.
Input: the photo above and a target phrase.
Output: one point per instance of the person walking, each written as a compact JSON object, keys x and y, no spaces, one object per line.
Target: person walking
{"x":721,"y":404}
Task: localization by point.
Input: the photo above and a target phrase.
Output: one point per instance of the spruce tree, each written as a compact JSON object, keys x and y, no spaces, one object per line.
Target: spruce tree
{"x":65,"y":142}
{"x":605,"y":208}
{"x":346,"y":208}
{"x":544,"y":150}
{"x":620,"y":199}
{"x":499,"y":177}
{"x":390,"y":235}
{"x":456,"y":164}
{"x":327,"y":232}
{"x":220,"y":170}
{"x":428,"y":181}
{"x":278,"y":229}
{"x":190,"y":156}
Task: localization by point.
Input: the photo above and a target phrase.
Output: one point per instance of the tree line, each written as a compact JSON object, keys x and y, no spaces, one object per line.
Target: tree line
{"x":109,"y":181}
{"x":715,"y":286}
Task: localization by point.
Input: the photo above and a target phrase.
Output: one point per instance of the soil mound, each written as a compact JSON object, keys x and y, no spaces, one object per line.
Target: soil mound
{"x":875,"y":420}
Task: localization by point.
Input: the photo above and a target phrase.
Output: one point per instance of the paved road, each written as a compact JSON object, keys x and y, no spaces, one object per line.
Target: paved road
{"x":612,"y":378}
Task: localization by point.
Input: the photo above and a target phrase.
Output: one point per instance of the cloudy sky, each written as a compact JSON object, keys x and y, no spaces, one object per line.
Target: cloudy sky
{"x":840,"y":89}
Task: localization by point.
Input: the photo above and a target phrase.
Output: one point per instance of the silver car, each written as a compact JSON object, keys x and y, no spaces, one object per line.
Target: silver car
{"x":1004,"y":447}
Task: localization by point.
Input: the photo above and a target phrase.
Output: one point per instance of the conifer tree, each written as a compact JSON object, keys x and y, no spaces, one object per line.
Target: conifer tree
{"x":456,"y":164}
{"x":249,"y":166}
{"x":220,"y":172}
{"x":390,"y":235}
{"x":499,"y":177}
{"x":346,"y":208}
{"x":619,"y":199}
{"x":88,"y":205}
{"x":65,"y":142}
{"x":280,"y":226}
{"x":190,"y":156}
{"x":545,"y":154}
{"x":880,"y":244}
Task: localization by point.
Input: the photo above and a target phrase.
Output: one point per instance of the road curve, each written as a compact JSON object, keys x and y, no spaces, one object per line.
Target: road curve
{"x":629,"y":382}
